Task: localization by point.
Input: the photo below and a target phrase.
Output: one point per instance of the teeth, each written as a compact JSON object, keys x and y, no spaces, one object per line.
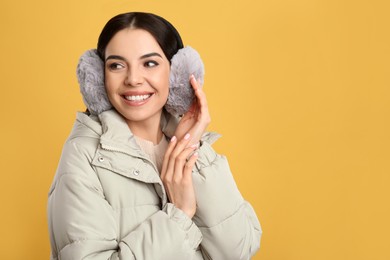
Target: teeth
{"x":137,"y":98}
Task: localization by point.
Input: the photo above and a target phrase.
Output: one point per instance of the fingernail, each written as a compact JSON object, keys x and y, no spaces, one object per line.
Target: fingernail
{"x":194,"y":146}
{"x":173,"y":138}
{"x":195,"y":154}
{"x":192,"y":76}
{"x":186,"y":136}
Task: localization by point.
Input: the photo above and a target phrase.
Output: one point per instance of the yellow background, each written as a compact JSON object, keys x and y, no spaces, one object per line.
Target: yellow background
{"x":298,"y":88}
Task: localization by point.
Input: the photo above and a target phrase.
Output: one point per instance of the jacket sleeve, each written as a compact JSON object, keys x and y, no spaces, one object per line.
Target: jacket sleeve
{"x":228,"y":223}
{"x":83,"y":225}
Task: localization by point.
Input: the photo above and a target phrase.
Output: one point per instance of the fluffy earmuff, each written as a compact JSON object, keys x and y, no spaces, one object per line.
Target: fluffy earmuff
{"x":181,"y":94}
{"x":90,"y":75}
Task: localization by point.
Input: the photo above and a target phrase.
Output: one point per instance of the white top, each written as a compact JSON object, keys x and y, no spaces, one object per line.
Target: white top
{"x":154,"y":152}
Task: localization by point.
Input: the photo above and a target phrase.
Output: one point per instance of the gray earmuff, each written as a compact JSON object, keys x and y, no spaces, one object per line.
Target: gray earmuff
{"x":181,"y":94}
{"x":90,"y":75}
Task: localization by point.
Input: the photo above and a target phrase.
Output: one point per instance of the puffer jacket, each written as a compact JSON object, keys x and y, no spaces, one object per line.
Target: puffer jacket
{"x":107,"y":201}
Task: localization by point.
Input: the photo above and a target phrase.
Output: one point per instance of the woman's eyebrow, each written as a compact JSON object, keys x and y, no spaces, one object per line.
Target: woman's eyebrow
{"x":150,"y":55}
{"x":115,"y":57}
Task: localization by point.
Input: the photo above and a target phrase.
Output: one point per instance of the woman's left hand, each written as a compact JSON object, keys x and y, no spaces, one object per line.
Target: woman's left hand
{"x":196,"y":120}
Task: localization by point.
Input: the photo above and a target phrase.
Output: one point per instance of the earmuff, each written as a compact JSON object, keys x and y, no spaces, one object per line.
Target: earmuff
{"x":186,"y":62}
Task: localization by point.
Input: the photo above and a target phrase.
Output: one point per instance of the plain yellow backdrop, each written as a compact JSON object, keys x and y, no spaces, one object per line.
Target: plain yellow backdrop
{"x":299,"y":89}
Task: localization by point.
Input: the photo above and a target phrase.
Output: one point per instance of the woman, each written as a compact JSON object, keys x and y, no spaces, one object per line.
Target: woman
{"x":133,"y":182}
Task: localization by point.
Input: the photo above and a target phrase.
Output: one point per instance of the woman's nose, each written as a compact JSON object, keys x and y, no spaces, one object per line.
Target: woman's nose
{"x":134,"y":77}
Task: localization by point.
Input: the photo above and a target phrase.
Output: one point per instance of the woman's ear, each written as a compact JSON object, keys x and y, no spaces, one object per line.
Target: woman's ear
{"x":90,"y":75}
{"x":184,"y":63}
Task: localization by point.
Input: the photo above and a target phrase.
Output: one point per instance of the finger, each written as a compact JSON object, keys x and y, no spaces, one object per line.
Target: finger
{"x":194,"y":83}
{"x":195,"y":103}
{"x":168,"y":152}
{"x":172,"y":157}
{"x":181,"y":161}
{"x":199,"y":93}
{"x":180,"y":146}
{"x":187,"y":172}
{"x":193,"y":107}
{"x":201,"y":97}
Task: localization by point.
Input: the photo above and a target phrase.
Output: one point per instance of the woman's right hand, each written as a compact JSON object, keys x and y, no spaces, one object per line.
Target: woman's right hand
{"x":176,"y":174}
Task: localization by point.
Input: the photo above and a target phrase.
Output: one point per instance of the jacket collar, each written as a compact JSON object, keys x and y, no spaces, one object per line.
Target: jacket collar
{"x":116,"y":135}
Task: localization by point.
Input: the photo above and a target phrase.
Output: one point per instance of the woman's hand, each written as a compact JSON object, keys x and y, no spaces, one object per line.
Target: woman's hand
{"x":176,"y":174}
{"x":196,"y":120}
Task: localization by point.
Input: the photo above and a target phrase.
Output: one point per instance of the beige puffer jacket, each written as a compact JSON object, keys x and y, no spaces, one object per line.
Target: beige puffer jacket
{"x":108,"y":202}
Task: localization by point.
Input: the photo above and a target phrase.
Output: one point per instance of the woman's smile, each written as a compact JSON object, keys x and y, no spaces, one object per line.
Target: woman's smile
{"x":137,"y":99}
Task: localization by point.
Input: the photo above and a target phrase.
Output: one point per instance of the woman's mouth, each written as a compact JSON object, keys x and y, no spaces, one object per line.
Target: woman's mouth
{"x":137,"y":97}
{"x":137,"y":100}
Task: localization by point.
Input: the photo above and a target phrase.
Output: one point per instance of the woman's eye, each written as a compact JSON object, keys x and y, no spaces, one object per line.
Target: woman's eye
{"x":151,"y":64}
{"x":115,"y":66}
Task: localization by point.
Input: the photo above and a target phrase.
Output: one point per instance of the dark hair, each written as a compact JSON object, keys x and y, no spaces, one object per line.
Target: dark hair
{"x":163,"y":31}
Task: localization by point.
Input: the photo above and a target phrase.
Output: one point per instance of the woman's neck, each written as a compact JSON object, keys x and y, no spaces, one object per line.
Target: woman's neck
{"x":149,"y":130}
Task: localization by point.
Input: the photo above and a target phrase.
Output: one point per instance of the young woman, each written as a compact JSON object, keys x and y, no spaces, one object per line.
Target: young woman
{"x":134,"y":182}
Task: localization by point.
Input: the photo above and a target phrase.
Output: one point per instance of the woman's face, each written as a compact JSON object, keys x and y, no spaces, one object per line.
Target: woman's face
{"x":136,"y":75}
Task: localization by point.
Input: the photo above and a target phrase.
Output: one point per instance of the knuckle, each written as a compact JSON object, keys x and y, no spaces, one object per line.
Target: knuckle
{"x":188,"y":166}
{"x":182,"y":157}
{"x":172,"y":156}
{"x":207,"y":118}
{"x":180,"y":161}
{"x":177,"y":180}
{"x":166,"y":180}
{"x":183,"y":142}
